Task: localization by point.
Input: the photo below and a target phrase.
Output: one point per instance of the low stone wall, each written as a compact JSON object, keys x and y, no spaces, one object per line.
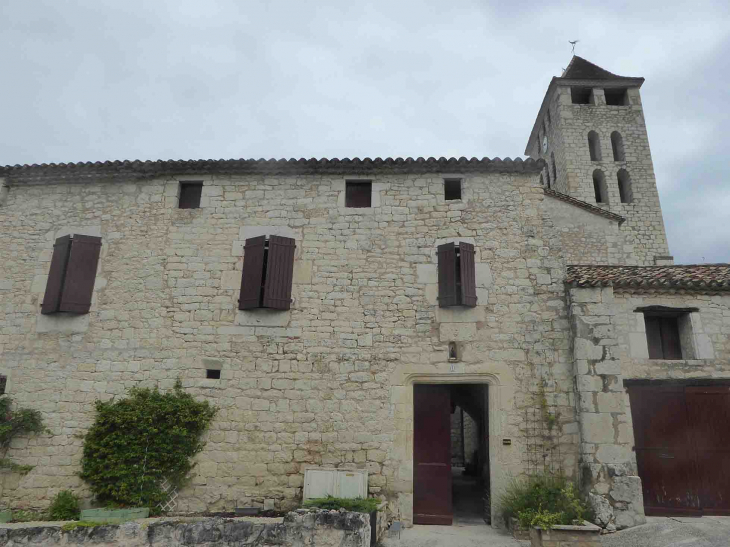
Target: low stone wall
{"x":297,"y":529}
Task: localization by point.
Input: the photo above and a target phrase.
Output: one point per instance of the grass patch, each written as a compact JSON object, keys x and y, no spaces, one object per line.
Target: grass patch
{"x":83,"y":524}
{"x":358,"y":505}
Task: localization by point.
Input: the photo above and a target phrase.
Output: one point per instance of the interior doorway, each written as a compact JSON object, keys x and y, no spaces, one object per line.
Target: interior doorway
{"x":451,"y":454}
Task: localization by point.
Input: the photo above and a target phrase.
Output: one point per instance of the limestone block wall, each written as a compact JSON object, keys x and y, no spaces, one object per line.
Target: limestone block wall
{"x":608,"y":467}
{"x":328,"y":382}
{"x":588,"y":238}
{"x":567,"y":131}
{"x":644,"y":216}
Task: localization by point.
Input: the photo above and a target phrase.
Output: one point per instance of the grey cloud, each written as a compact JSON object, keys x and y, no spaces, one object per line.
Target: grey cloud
{"x":102,"y":79}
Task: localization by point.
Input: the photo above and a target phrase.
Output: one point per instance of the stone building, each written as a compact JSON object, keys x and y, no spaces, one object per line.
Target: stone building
{"x":338,"y":312}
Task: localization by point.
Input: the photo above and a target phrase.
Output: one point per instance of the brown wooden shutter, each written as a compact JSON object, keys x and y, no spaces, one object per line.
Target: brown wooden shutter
{"x":671,"y":345}
{"x":54,"y":285}
{"x":654,"y":336}
{"x":468,"y":275}
{"x":253,"y":273}
{"x":78,"y":285}
{"x":279,"y":271}
{"x":447,"y":275}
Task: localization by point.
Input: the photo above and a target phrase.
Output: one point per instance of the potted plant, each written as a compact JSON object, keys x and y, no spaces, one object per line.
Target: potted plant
{"x":546,"y":504}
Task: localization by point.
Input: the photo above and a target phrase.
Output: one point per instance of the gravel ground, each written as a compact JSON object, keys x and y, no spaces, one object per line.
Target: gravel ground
{"x":673,"y":532}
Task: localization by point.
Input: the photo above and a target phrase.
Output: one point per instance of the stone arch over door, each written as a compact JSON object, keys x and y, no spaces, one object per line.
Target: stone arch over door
{"x":504,"y":460}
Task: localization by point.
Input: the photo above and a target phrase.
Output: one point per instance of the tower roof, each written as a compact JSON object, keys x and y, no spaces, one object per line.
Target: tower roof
{"x":580,"y":69}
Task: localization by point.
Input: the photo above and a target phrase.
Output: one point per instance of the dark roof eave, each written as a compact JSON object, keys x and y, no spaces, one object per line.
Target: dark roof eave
{"x":313,"y":166}
{"x":584,"y":205}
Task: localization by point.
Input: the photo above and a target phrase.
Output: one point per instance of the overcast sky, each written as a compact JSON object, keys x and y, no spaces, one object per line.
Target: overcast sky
{"x":181,"y":79}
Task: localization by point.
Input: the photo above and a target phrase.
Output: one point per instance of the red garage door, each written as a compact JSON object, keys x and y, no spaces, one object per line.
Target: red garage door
{"x":682,"y":444}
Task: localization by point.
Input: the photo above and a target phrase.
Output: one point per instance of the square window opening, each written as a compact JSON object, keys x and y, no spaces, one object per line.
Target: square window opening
{"x":212,"y":374}
{"x":668,"y":335}
{"x":190,"y":193}
{"x":452,"y":189}
{"x":581,"y":95}
{"x":358,"y":194}
{"x":616,"y":97}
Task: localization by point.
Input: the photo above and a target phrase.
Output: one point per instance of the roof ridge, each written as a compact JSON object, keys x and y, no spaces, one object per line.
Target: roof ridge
{"x":301,"y":165}
{"x":691,"y":277}
{"x":582,"y":69}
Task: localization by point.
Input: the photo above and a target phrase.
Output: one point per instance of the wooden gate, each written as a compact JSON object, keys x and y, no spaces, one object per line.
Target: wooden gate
{"x":432,"y":454}
{"x":682,"y":444}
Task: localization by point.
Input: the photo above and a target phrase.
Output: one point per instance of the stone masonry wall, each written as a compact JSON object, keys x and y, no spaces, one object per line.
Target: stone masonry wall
{"x":643,"y":231}
{"x":328,"y":382}
{"x":300,"y":529}
{"x":608,"y":467}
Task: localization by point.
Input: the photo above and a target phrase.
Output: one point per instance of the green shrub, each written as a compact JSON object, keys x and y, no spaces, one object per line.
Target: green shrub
{"x":358,"y":505}
{"x":21,"y":421}
{"x":543,"y":500}
{"x":138,"y":441}
{"x":65,"y":506}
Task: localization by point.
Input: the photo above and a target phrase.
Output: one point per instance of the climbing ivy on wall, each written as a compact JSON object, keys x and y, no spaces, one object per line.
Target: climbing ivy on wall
{"x":13,"y":423}
{"x":139,"y":441}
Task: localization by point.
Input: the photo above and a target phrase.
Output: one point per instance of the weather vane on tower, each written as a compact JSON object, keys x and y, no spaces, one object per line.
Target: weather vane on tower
{"x":572,"y":43}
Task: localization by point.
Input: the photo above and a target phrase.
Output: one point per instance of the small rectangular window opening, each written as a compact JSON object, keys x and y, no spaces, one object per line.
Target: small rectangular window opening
{"x":3,"y":384}
{"x":212,"y":374}
{"x":358,"y":194}
{"x":190,"y":193}
{"x":616,"y":97}
{"x":452,"y":189}
{"x":663,"y":335}
{"x":581,"y":95}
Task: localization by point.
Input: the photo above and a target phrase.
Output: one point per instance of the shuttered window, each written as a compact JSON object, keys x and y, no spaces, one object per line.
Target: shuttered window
{"x":72,"y":275}
{"x":662,"y":336}
{"x":268,"y":268}
{"x":456,"y":275}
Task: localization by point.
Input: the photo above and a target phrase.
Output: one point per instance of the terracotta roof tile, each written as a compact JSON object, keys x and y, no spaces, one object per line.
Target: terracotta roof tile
{"x":584,"y":205}
{"x":89,"y":170}
{"x":691,"y":277}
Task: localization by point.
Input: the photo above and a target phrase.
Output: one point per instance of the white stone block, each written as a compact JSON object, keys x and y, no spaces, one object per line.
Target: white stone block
{"x":638,"y":345}
{"x":483,"y":275}
{"x":427,"y":273}
{"x":460,"y":314}
{"x":457,"y":332}
{"x":63,"y":323}
{"x":596,"y":427}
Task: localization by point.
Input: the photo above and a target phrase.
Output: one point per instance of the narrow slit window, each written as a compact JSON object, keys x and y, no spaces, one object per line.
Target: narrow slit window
{"x":3,"y":384}
{"x":452,"y":189}
{"x":617,"y":145}
{"x":599,"y":186}
{"x":624,"y":186}
{"x":358,"y":194}
{"x":594,"y":146}
{"x":190,"y":193}
{"x":213,"y":374}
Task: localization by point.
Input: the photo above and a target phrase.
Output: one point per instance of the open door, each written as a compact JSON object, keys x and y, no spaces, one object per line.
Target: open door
{"x":432,"y":455}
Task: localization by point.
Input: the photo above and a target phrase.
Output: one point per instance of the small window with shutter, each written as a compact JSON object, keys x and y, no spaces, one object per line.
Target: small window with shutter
{"x":456,"y":275}
{"x":71,"y":278}
{"x":358,"y":193}
{"x":268,"y":269}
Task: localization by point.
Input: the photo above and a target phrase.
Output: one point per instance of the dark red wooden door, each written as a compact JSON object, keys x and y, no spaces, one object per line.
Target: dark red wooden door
{"x":709,"y":417}
{"x":682,"y":443}
{"x":664,"y":454}
{"x":432,"y":455}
